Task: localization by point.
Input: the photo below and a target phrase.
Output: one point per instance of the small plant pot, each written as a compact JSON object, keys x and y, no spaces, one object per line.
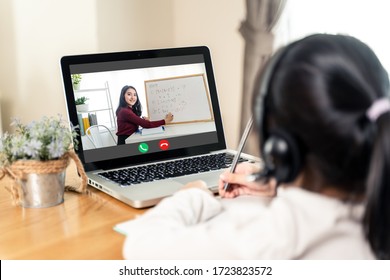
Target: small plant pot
{"x":39,"y":184}
{"x":76,"y":86}
{"x":42,"y":190}
{"x":82,"y":108}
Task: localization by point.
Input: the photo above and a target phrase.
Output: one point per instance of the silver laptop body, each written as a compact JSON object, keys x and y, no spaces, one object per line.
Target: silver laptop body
{"x":177,"y":80}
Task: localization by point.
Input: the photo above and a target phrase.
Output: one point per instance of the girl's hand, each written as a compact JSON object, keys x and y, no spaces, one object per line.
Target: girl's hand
{"x":240,"y":186}
{"x":168,"y":118}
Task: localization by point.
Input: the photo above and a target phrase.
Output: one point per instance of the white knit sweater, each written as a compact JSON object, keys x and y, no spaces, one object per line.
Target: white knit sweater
{"x":297,"y":224}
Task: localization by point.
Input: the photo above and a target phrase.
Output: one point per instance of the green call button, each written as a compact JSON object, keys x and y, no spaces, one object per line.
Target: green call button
{"x":143,"y":148}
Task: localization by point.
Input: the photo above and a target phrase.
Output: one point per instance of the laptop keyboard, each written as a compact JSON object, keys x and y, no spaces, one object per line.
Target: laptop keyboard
{"x":159,"y":171}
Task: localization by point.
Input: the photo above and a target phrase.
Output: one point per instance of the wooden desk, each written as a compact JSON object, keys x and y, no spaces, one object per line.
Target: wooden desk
{"x":79,"y":228}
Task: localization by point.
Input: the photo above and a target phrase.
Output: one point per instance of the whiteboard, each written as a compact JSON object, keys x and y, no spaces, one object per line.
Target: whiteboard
{"x":186,"y":97}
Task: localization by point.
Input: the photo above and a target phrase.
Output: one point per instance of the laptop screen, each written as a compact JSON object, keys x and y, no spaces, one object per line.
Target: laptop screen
{"x":120,"y":104}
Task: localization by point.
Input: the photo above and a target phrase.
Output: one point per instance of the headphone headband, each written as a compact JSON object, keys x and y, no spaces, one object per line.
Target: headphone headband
{"x":280,"y":151}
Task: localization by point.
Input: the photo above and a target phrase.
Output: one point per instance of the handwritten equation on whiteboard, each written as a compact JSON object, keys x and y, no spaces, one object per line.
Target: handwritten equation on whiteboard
{"x":186,"y":97}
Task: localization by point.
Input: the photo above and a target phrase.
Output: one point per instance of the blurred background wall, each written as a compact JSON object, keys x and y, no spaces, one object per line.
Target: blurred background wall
{"x":34,"y":35}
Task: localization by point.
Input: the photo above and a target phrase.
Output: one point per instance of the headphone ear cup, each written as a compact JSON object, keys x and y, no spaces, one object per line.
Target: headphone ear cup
{"x":282,"y":157}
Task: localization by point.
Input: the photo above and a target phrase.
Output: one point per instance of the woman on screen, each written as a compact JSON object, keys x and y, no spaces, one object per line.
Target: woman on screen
{"x":129,"y":114}
{"x":322,"y":114}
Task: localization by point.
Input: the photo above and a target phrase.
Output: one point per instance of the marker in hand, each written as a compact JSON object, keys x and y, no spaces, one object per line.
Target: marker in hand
{"x":168,"y":118}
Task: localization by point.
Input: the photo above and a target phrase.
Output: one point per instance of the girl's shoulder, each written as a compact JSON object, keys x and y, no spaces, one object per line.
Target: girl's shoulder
{"x":125,"y":111}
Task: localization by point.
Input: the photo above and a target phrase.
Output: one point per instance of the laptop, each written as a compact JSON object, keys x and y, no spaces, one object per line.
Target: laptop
{"x":154,"y":162}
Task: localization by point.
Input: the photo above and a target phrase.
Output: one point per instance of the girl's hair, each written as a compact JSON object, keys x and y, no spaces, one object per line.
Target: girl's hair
{"x":320,"y":92}
{"x":137,"y":108}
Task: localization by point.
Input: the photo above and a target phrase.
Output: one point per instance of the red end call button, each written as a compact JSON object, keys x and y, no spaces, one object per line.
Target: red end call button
{"x":164,"y":145}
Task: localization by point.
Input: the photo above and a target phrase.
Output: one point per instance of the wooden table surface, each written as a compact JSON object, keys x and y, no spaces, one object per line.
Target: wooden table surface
{"x":79,"y":228}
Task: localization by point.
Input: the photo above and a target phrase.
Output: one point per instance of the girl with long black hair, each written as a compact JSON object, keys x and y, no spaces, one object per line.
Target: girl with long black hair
{"x":129,"y":114}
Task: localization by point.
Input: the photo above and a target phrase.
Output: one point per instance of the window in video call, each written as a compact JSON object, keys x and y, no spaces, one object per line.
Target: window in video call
{"x":162,"y":88}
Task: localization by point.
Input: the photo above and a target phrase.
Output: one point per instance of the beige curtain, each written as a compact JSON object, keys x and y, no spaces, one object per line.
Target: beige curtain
{"x":256,"y":29}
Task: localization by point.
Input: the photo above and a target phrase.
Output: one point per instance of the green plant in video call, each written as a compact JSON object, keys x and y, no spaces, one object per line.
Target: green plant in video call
{"x":81,"y":100}
{"x":76,"y":79}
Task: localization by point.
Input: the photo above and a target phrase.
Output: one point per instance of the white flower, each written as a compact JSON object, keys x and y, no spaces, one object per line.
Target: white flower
{"x":32,"y":148}
{"x":46,"y":139}
{"x":15,"y":122}
{"x":56,"y":149}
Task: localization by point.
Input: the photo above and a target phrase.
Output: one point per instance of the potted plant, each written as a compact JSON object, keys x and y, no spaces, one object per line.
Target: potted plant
{"x":35,"y":156}
{"x":81,"y":104}
{"x":76,"y":79}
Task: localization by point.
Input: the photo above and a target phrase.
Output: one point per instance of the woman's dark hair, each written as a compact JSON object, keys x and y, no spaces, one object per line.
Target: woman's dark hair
{"x":320,"y":92}
{"x":137,"y":108}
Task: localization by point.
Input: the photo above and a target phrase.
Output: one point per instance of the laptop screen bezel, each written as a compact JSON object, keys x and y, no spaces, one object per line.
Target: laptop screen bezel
{"x":67,"y":61}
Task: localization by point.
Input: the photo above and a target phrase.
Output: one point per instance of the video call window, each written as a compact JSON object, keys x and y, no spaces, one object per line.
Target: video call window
{"x":180,"y":89}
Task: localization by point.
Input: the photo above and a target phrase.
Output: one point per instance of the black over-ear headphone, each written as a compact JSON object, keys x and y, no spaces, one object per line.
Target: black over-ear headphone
{"x":279,"y":148}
